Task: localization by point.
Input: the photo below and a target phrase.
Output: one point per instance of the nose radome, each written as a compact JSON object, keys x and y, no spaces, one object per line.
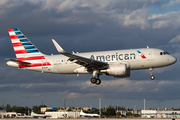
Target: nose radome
{"x":173,"y":59}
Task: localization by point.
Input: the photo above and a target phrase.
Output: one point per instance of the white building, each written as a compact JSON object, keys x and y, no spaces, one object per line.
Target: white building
{"x":8,"y":114}
{"x":124,"y":112}
{"x":160,"y":114}
{"x":65,"y":114}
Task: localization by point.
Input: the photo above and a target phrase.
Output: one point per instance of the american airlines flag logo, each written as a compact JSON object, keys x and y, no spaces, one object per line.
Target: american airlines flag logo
{"x":141,"y":54}
{"x":25,"y":50}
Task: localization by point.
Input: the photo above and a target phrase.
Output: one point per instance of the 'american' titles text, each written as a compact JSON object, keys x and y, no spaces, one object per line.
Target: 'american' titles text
{"x":114,"y":57}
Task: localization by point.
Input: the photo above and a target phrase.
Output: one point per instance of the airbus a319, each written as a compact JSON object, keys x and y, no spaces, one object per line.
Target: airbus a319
{"x":117,"y":63}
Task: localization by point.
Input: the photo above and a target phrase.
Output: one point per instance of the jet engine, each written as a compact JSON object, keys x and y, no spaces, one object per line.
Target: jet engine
{"x":117,"y":70}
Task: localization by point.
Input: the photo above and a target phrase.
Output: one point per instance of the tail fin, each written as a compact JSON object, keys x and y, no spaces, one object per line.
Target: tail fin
{"x":22,"y":46}
{"x":32,"y":113}
{"x":25,"y":51}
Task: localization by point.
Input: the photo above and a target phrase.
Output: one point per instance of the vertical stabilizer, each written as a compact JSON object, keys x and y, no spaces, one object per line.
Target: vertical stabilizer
{"x":32,"y":113}
{"x":23,"y":48}
{"x":25,"y":51}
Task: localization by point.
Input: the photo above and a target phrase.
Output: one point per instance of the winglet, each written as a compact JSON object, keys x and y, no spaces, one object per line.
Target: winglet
{"x":58,"y":47}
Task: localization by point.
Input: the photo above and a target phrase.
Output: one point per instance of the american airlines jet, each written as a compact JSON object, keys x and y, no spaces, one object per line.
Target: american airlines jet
{"x":117,"y":63}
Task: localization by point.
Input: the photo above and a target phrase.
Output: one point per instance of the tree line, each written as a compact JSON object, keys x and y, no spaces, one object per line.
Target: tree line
{"x":19,"y":109}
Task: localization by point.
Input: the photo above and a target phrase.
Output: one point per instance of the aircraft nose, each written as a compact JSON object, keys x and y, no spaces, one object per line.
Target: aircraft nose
{"x":173,"y":59}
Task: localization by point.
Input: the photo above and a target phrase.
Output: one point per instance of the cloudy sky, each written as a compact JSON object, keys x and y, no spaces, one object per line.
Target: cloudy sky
{"x":91,"y":25}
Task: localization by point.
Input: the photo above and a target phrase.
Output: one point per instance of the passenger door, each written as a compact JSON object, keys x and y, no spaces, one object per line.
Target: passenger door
{"x":150,"y":54}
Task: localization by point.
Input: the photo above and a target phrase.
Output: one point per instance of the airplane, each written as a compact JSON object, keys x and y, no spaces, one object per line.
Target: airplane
{"x":20,"y":115}
{"x":23,"y":116}
{"x":117,"y":63}
{"x":88,"y":115}
{"x":34,"y":115}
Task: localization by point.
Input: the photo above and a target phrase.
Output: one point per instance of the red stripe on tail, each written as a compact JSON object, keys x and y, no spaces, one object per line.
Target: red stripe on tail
{"x":31,"y":58}
{"x":17,"y":44}
{"x":20,"y":51}
{"x":13,"y":37}
{"x":10,"y":30}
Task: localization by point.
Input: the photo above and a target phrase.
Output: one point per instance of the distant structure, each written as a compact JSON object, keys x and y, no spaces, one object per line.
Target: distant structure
{"x":61,"y":109}
{"x":63,"y":114}
{"x":160,"y":113}
{"x":161,"y":109}
{"x":4,"y":114}
{"x":44,"y":109}
{"x":124,"y":112}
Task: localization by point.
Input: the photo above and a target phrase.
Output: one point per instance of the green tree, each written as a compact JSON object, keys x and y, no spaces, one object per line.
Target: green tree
{"x":136,"y":115}
{"x":37,"y":109}
{"x":80,"y":108}
{"x":18,"y":109}
{"x":118,"y":113}
{"x":69,"y":109}
{"x":110,"y":111}
{"x":49,"y":110}
{"x":58,"y":108}
{"x":8,"y":108}
{"x":121,"y":108}
{"x":27,"y":109}
{"x":129,"y":114}
{"x":95,"y":111}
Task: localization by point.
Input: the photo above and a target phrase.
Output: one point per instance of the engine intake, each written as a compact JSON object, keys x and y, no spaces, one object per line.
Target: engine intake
{"x":117,"y":70}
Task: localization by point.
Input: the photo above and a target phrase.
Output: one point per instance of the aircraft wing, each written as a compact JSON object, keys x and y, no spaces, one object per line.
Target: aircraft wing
{"x":86,"y":62}
{"x":20,"y":62}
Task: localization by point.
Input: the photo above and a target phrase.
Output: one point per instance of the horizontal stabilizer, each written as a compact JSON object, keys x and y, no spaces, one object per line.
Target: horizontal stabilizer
{"x":20,"y":62}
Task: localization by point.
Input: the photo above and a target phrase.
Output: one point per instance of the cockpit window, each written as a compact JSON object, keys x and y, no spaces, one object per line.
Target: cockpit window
{"x":164,"y":53}
{"x":167,"y":53}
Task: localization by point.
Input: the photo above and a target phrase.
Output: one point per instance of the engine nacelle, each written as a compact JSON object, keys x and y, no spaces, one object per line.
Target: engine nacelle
{"x":118,"y":70}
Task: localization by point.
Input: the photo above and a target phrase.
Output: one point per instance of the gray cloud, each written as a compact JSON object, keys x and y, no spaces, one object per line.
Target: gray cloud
{"x":171,"y":4}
